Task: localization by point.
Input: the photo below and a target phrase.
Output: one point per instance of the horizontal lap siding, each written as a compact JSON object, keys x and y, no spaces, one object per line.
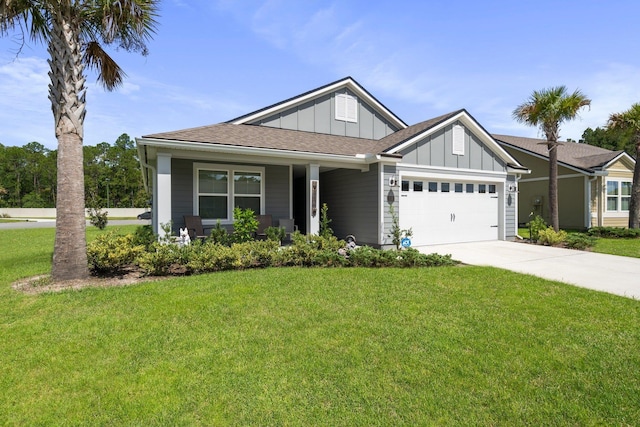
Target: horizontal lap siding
{"x":277,"y":188}
{"x":181,"y":191}
{"x":352,"y":200}
{"x":510,"y":211}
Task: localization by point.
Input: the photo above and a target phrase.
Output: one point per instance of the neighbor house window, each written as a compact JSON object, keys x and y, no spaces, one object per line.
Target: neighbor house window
{"x":346,"y":107}
{"x":618,"y":196}
{"x":220,"y":188}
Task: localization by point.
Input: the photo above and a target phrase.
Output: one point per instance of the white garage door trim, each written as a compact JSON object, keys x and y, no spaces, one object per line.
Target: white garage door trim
{"x":452,"y":213}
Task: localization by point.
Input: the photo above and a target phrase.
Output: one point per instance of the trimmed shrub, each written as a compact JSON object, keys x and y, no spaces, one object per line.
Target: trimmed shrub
{"x":144,"y":236}
{"x":536,"y":225}
{"x":580,"y":241}
{"x":220,"y":235}
{"x":110,"y":253}
{"x":160,"y":259}
{"x":275,"y":234}
{"x":615,"y":232}
{"x":550,"y":237}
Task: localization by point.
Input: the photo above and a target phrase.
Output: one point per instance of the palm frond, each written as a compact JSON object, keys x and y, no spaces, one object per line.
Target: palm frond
{"x":24,"y":16}
{"x":110,"y":75}
{"x":127,"y":23}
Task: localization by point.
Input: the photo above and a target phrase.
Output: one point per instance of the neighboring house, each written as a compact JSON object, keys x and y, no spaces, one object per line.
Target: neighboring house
{"x":594,"y":184}
{"x":446,"y":178}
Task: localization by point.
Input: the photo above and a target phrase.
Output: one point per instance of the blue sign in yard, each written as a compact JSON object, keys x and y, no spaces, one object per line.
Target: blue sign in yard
{"x":405,"y":242}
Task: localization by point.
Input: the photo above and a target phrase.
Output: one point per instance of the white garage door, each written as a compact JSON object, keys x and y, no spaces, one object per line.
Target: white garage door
{"x":448,"y":212}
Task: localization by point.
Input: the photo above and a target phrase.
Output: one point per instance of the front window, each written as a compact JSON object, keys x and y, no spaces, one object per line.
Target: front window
{"x":618,"y":196}
{"x":220,"y":188}
{"x":247,"y":190}
{"x":213,"y":189}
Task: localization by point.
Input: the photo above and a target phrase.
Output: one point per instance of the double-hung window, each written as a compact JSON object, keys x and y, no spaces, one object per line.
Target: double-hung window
{"x":618,"y":195}
{"x":220,"y":188}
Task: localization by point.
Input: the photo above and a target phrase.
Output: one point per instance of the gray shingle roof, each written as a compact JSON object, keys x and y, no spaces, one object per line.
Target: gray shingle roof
{"x":255,"y":136}
{"x":582,"y":156}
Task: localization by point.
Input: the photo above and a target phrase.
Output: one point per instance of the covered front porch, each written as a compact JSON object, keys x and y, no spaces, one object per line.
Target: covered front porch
{"x":209,"y":183}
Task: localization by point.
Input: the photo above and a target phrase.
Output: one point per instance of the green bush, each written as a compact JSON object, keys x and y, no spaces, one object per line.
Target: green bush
{"x":245,"y":225}
{"x":144,"y":236}
{"x":325,"y":230}
{"x":160,"y":259}
{"x":220,"y":235}
{"x":580,"y":241}
{"x":211,"y":257}
{"x":110,"y":253}
{"x":614,"y":232}
{"x":98,"y":218}
{"x":275,"y":234}
{"x":536,"y":225}
{"x":550,"y":237}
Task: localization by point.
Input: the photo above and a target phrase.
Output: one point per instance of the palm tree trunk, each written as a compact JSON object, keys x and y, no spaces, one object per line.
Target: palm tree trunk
{"x":66,"y":93}
{"x":553,"y":186}
{"x":634,"y":203}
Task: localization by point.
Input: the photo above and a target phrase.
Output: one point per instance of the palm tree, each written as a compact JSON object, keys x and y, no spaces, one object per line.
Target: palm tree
{"x":548,"y":109}
{"x":75,"y":32}
{"x":630,"y":121}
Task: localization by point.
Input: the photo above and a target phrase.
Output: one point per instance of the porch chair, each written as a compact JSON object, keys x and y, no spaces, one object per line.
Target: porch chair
{"x":195,"y":227}
{"x":289,"y":227}
{"x":264,"y":222}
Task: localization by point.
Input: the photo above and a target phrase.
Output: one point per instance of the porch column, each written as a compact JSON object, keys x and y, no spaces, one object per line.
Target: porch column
{"x":313,"y":199}
{"x":163,"y":207}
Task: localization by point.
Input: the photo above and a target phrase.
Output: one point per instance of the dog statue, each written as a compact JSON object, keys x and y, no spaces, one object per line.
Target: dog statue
{"x":185,"y":240}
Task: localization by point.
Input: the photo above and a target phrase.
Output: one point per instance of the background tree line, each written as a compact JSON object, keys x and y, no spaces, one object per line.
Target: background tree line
{"x":112,"y":177}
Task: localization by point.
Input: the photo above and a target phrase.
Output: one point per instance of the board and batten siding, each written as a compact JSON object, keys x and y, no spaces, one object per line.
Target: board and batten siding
{"x":318,"y":115}
{"x":437,"y":150}
{"x":181,"y":191}
{"x":352,"y":201}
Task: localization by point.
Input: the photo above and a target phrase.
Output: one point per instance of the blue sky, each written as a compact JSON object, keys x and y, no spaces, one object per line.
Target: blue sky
{"x":214,"y":60}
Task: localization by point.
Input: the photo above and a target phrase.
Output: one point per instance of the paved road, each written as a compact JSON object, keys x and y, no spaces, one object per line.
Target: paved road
{"x":607,"y":273}
{"x":50,"y":223}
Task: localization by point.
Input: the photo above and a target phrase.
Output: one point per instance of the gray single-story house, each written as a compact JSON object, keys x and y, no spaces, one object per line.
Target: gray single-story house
{"x":594,"y":184}
{"x":446,"y":178}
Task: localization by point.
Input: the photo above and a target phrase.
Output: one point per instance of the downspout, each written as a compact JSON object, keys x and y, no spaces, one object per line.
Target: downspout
{"x":589,"y":211}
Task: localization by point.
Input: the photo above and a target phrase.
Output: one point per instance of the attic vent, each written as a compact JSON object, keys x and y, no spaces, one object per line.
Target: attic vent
{"x":346,"y":108}
{"x":458,"y":140}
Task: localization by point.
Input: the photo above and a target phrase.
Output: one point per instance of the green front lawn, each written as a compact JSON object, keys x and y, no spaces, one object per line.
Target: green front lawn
{"x":295,"y":346}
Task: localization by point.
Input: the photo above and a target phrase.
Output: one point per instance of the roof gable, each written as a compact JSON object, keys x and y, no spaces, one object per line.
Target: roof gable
{"x":346,"y":85}
{"x":575,"y":155}
{"x":402,"y":139}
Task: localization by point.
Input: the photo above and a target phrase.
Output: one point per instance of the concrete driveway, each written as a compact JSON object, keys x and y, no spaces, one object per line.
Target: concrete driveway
{"x":607,"y":273}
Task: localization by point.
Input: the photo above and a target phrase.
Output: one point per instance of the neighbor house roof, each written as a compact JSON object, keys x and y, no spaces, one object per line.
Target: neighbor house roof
{"x":588,"y":158}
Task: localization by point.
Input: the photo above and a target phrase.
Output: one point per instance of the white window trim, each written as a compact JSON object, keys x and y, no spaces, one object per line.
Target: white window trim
{"x":346,"y":107}
{"x":231,"y":170}
{"x":619,"y":196}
